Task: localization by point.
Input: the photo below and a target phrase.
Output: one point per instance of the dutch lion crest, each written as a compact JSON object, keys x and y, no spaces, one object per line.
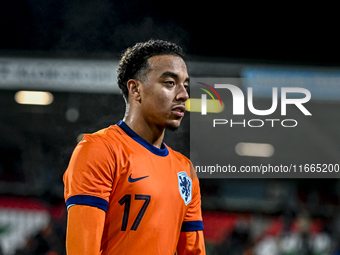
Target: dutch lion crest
{"x":185,"y":187}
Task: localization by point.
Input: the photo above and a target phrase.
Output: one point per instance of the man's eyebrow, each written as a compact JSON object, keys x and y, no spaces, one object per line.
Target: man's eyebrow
{"x":174,"y":75}
{"x":168,"y":73}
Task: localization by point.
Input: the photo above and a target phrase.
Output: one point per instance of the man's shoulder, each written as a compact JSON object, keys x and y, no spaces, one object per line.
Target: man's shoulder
{"x":185,"y":160}
{"x":105,"y":132}
{"x":109,"y":134}
{"x":103,"y":137}
{"x":178,"y":155}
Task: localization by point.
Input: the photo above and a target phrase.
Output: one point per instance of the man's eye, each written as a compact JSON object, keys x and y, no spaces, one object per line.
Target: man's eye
{"x":170,"y":82}
{"x":188,"y":89}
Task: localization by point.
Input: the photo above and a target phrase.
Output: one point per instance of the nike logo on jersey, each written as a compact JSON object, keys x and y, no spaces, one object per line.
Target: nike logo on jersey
{"x":131,"y":180}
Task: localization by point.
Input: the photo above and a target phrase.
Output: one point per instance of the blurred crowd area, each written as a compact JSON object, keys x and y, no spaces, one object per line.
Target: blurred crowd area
{"x":241,"y":217}
{"x":271,"y":217}
{"x":32,"y":226}
{"x":49,"y":240}
{"x":254,"y":234}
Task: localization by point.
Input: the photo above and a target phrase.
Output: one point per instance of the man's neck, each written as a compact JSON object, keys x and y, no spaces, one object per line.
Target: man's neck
{"x":150,"y":133}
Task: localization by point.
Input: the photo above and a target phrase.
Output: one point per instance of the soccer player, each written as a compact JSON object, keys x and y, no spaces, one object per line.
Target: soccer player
{"x":125,"y":190}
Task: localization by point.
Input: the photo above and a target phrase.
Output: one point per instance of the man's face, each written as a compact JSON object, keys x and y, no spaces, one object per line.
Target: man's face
{"x":164,"y":91}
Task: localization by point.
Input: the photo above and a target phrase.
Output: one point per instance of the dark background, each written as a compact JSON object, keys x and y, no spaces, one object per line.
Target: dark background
{"x":36,"y":142}
{"x":271,"y":32}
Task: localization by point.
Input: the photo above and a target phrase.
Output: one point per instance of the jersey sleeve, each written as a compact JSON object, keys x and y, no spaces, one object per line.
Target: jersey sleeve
{"x":89,"y":176}
{"x":84,"y":232}
{"x":191,"y":243}
{"x":193,"y":218}
{"x":191,"y":240}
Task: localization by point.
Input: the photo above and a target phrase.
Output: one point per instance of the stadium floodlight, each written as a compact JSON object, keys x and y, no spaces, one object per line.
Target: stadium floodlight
{"x":33,"y":97}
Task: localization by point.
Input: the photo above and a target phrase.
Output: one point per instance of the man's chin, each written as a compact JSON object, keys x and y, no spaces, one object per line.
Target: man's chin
{"x":173,"y":126}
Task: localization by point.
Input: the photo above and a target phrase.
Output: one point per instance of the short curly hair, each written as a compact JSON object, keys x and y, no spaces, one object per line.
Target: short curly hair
{"x":134,"y":61}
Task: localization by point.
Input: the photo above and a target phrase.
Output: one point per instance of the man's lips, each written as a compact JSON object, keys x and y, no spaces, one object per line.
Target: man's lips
{"x":178,"y":110}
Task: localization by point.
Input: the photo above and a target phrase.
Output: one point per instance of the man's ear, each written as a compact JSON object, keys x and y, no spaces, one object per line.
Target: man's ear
{"x":133,"y":88}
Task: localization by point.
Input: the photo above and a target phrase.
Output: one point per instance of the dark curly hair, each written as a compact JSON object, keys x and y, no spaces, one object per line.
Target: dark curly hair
{"x":134,"y":61}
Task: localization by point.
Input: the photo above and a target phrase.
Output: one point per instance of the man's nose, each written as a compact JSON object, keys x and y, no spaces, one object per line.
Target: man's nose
{"x":182,"y":94}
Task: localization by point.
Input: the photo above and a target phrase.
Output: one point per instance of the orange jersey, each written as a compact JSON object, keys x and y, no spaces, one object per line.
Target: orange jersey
{"x":150,"y":195}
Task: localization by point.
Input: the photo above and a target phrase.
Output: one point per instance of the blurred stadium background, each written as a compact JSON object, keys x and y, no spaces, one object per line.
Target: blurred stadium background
{"x":70,"y":49}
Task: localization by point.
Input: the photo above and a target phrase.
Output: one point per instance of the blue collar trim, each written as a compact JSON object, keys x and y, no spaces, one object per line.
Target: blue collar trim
{"x":163,"y":151}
